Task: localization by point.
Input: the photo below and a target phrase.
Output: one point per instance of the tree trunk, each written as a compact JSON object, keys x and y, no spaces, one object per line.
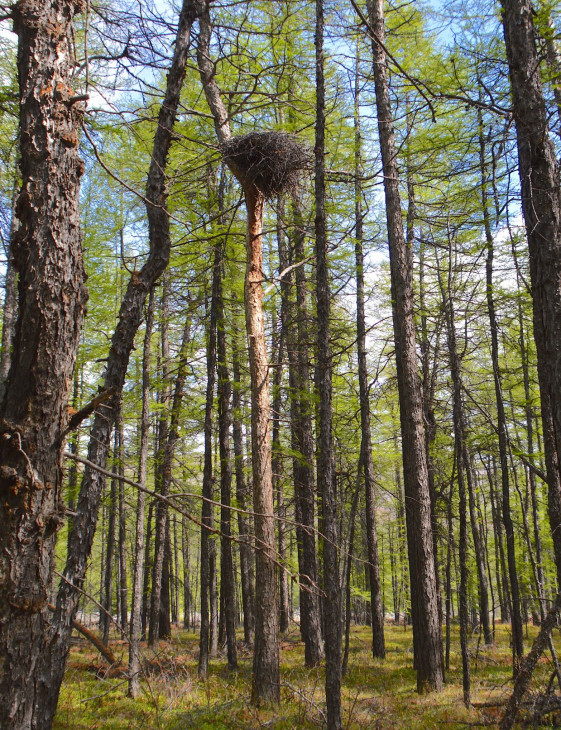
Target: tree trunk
{"x":516,"y":618}
{"x":10,"y":309}
{"x":185,"y":550}
{"x":302,"y":439}
{"x":160,"y":608}
{"x":242,"y":497}
{"x":137,"y":581}
{"x":207,"y":510}
{"x":266,"y":680}
{"x":48,"y":258}
{"x":227,"y":591}
{"x":461,"y":469}
{"x":108,"y":565}
{"x":541,"y":206}
{"x":424,"y":599}
{"x":162,"y":485}
{"x":376,"y":608}
{"x":123,"y":586}
{"x":130,"y":317}
{"x":326,"y":461}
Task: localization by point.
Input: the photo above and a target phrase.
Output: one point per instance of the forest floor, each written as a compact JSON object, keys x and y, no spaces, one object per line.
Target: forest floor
{"x":376,"y":694}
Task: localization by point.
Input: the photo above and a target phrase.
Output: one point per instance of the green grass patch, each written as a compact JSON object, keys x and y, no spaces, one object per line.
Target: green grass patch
{"x":376,"y":693}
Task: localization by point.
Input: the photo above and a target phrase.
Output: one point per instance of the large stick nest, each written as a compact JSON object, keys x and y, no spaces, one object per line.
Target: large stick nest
{"x":269,"y":161}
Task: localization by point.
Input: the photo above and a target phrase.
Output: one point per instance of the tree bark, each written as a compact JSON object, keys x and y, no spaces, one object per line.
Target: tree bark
{"x":10,"y":309}
{"x":266,"y":679}
{"x":138,"y":570}
{"x":541,"y":206}
{"x":242,"y":497}
{"x":424,"y":599}
{"x":33,"y":414}
{"x":515,"y":613}
{"x":162,"y":484}
{"x":461,"y":470}
{"x":130,"y":317}
{"x":302,"y":439}
{"x":376,"y":608}
{"x":332,"y":605}
{"x":207,"y":510}
{"x":227,"y":590}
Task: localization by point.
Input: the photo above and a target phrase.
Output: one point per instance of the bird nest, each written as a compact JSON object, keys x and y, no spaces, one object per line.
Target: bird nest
{"x":269,"y":161}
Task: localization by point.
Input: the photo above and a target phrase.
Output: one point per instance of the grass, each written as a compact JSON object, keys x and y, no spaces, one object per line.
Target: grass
{"x":375,"y":694}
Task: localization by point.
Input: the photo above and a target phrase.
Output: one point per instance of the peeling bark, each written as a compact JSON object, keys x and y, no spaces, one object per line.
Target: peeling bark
{"x":33,"y":415}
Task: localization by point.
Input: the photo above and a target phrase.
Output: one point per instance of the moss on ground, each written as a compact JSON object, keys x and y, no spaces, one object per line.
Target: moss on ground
{"x":376,"y":694}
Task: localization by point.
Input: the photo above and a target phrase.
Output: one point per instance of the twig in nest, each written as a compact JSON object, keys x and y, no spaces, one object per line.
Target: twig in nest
{"x":269,"y":161}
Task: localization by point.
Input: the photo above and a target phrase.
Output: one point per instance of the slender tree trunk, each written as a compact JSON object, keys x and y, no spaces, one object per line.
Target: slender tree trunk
{"x":516,"y":618}
{"x":301,"y":421}
{"x":147,"y":572}
{"x":186,"y":553}
{"x":461,"y":471}
{"x":424,"y":599}
{"x":242,"y":497}
{"x":123,"y":585}
{"x":161,"y":484}
{"x":107,"y":602}
{"x":276,"y":459}
{"x":207,"y":510}
{"x":10,"y":308}
{"x":130,"y":317}
{"x":326,"y":459}
{"x":478,"y":546}
{"x":376,"y":608}
{"x":227,"y":591}
{"x":137,"y":582}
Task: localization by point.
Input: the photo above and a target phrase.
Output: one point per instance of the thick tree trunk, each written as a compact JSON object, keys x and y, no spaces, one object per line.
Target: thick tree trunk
{"x":541,"y":206}
{"x":33,"y":414}
{"x":130,"y":317}
{"x":326,"y":459}
{"x":424,"y":599}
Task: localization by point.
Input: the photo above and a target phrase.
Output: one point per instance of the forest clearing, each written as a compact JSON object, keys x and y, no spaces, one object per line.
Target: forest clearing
{"x":280,"y":366}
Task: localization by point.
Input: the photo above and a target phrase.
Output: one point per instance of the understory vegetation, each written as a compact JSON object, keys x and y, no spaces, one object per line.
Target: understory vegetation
{"x":375,"y":693}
